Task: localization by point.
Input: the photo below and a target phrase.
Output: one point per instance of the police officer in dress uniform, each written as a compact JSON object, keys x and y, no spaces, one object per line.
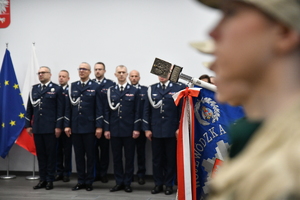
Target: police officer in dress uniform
{"x":64,"y":143}
{"x":102,"y":162}
{"x":134,"y":77}
{"x":83,"y":119}
{"x":160,"y":123}
{"x":46,"y":105}
{"x":122,"y":125}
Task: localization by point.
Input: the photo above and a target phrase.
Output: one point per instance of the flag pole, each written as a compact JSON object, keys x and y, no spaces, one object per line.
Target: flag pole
{"x":33,"y":177}
{"x":7,"y":176}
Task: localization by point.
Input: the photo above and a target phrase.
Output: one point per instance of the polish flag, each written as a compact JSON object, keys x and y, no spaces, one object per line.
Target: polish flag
{"x":25,"y":140}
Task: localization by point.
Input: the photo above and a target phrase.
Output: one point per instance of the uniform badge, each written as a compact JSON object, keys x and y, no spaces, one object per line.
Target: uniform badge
{"x":207,"y":111}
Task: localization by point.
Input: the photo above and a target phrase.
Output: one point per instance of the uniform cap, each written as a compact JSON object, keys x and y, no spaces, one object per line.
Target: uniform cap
{"x":285,"y":11}
{"x":207,"y":46}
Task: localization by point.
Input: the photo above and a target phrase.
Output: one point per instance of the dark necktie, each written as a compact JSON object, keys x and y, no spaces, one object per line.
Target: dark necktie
{"x":82,"y":84}
{"x":163,"y":86}
{"x":43,"y":87}
{"x":121,"y":89}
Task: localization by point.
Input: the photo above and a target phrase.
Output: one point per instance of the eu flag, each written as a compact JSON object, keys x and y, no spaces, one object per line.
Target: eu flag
{"x":11,"y":106}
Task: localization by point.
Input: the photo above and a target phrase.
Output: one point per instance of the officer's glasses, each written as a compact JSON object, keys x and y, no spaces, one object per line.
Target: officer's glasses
{"x":42,"y":73}
{"x":83,"y":69}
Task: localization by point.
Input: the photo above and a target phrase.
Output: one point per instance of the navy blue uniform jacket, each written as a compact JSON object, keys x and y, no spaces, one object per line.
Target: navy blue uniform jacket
{"x":85,"y":115}
{"x":47,"y":112}
{"x":162,"y":121}
{"x":105,"y":84}
{"x":142,"y":97}
{"x":122,"y":121}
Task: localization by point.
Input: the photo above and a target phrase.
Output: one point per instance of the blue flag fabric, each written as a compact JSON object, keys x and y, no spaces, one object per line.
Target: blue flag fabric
{"x":212,"y":121}
{"x":12,"y":110}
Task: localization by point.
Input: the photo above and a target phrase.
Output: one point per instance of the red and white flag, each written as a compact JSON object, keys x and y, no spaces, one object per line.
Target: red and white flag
{"x":25,"y":140}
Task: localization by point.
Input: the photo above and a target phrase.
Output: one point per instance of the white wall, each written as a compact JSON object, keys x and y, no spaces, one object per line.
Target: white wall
{"x":131,"y":32}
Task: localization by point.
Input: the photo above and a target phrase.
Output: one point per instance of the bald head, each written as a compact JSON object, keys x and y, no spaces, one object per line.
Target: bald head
{"x":134,"y":77}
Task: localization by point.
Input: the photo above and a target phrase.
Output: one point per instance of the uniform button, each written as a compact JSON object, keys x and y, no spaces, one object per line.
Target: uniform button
{"x":120,"y":117}
{"x":81,"y":101}
{"x":80,"y":113}
{"x":162,"y":111}
{"x":41,"y":114}
{"x":163,"y":98}
{"x":41,"y":97}
{"x":163,"y":117}
{"x":80,"y":107}
{"x":120,"y":99}
{"x":41,"y":108}
{"x":81,"y":95}
{"x":120,"y":111}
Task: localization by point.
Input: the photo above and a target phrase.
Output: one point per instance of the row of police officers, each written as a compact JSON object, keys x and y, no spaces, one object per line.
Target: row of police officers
{"x":91,"y":114}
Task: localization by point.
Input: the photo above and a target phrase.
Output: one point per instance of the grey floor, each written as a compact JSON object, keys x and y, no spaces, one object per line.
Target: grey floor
{"x":20,"y":188}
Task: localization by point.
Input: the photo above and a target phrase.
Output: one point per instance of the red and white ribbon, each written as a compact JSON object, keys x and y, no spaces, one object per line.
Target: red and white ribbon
{"x":186,"y":168}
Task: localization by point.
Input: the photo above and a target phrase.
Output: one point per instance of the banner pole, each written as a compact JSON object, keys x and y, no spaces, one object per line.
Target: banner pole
{"x":33,"y":177}
{"x":7,"y":176}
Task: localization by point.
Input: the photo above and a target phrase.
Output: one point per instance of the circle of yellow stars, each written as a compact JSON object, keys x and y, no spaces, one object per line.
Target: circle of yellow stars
{"x":21,"y":115}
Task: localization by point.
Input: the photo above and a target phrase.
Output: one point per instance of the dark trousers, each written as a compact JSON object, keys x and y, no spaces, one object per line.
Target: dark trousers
{"x":117,"y":145}
{"x":141,"y":154}
{"x":84,"y":146}
{"x":45,"y":149}
{"x":102,"y":156}
{"x":64,"y":155}
{"x":164,"y":160}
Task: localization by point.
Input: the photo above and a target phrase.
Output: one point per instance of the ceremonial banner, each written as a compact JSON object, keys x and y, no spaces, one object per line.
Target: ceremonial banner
{"x":25,"y":140}
{"x":11,"y":106}
{"x":203,"y":142}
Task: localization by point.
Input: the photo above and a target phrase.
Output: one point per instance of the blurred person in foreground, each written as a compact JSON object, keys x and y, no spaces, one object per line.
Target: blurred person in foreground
{"x":257,"y":49}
